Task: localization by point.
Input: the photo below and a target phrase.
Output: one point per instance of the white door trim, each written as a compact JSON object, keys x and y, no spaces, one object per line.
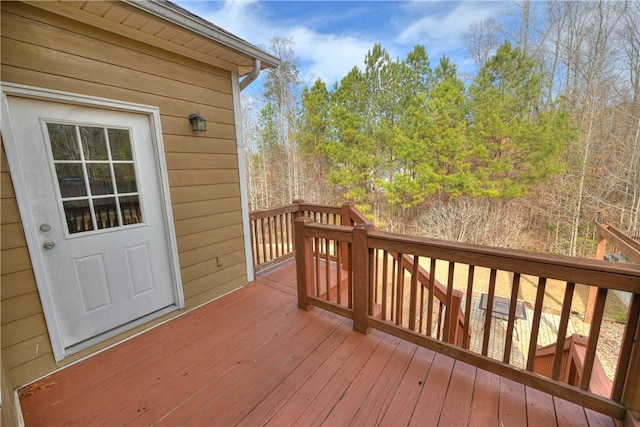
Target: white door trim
{"x":28,"y":222}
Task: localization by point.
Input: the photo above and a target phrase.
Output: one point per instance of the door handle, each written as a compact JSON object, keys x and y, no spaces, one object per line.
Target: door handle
{"x":49,"y":245}
{"x":45,"y":227}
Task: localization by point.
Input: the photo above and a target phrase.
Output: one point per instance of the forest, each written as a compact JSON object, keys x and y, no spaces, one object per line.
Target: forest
{"x":529,"y":152}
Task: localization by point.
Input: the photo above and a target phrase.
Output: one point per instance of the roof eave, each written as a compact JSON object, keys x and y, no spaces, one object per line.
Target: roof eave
{"x":181,"y":17}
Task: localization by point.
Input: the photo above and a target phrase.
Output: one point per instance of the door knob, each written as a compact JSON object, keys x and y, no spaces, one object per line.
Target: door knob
{"x":49,"y":245}
{"x":45,"y":227}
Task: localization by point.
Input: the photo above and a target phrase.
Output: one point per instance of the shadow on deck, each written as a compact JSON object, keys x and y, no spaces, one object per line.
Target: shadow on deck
{"x":253,"y":358}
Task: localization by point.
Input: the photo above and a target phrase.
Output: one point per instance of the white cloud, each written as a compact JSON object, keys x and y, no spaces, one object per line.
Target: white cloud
{"x":446,"y":26}
{"x":330,"y":55}
{"x":326,"y":56}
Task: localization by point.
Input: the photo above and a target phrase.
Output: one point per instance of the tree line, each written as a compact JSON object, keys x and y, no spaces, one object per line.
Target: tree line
{"x":530,"y":151}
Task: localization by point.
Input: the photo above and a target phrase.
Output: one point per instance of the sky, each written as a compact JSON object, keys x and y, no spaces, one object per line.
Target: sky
{"x":331,"y":37}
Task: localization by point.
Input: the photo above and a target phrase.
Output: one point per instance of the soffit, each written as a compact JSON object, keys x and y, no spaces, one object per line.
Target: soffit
{"x":165,"y":25}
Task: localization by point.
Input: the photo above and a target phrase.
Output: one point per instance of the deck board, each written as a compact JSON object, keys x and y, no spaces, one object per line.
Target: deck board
{"x":253,"y":358}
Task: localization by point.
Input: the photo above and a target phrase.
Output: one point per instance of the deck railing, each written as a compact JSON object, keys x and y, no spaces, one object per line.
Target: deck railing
{"x":380,"y":296}
{"x":272,"y":230}
{"x":272,"y":238}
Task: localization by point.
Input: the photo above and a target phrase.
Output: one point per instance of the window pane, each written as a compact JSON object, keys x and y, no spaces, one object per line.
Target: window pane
{"x":70,"y":180}
{"x":120,"y":144}
{"x":130,"y":209}
{"x":99,"y":179}
{"x":106,"y":213}
{"x":125,"y":177}
{"x":93,"y":143}
{"x":78,"y":216}
{"x":64,"y":143}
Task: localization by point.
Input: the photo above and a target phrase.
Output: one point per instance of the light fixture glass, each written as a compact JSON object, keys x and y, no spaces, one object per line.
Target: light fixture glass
{"x":198,"y":123}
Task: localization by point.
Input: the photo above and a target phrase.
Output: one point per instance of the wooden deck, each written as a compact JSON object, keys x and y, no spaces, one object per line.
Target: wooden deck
{"x":253,"y":358}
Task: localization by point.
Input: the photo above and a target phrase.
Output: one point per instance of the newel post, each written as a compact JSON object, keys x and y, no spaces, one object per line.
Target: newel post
{"x":345,"y":219}
{"x":360,"y":277}
{"x":593,"y":290}
{"x":304,"y":261}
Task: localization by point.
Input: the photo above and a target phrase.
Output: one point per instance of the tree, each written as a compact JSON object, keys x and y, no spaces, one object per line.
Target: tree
{"x":516,"y":145}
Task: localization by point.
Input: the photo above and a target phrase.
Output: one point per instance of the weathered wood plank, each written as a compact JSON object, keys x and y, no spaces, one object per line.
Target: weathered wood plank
{"x":485,"y":408}
{"x":434,"y":392}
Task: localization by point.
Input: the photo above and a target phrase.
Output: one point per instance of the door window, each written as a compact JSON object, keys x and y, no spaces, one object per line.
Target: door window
{"x":96,"y":176}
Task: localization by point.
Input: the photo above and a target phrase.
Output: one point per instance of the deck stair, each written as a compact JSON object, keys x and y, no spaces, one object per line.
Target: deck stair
{"x":572,"y":365}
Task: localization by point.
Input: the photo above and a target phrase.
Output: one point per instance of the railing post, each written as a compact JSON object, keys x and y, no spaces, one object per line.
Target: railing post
{"x":304,"y":261}
{"x":593,"y":290}
{"x":345,"y":214}
{"x":360,"y":277}
{"x":345,"y":219}
{"x":454,"y":326}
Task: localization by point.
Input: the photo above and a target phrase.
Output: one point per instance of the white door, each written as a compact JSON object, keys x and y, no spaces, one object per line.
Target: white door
{"x":95,"y":199}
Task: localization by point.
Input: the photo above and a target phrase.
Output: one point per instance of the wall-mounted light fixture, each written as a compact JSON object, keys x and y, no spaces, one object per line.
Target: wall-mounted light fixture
{"x":198,"y":123}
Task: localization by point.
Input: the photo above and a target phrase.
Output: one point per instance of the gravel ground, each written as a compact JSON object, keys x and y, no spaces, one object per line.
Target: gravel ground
{"x":611,"y":334}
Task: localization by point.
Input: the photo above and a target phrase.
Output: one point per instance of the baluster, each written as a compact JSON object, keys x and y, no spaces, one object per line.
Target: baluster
{"x":515,"y":287}
{"x":371,"y":281}
{"x":339,"y":272}
{"x":448,"y":315}
{"x":393,"y":314}
{"x":432,"y":278}
{"x":400,"y":290}
{"x":489,"y":312}
{"x":269,"y":220}
{"x":594,"y":334}
{"x":562,"y":329}
{"x":264,"y":240}
{"x":350,"y":274}
{"x":535,"y":326}
{"x":414,"y":293}
{"x":385,"y":278}
{"x":327,"y":269}
{"x":467,"y":308}
{"x":438,"y":333}
{"x":253,"y":242}
{"x":421,"y":326}
{"x":376,"y":279}
{"x":316,"y":244}
{"x":624,"y":360}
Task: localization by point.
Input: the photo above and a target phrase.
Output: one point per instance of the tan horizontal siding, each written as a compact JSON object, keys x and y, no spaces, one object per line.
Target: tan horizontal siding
{"x":44,"y":50}
{"x":15,"y":259}
{"x":27,"y":350}
{"x":9,"y":210}
{"x":208,"y":253}
{"x":64,"y":64}
{"x":12,"y":235}
{"x":205,"y":268}
{"x":181,"y":177}
{"x":203,"y":192}
{"x":203,"y":284}
{"x":32,"y":369}
{"x":174,"y":107}
{"x":20,"y":307}
{"x":200,"y":161}
{"x":216,"y":292}
{"x":19,"y":283}
{"x":204,"y":223}
{"x":42,"y":29}
{"x":209,"y":237}
{"x":194,"y":144}
{"x":207,"y":207}
{"x":17,"y":332}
